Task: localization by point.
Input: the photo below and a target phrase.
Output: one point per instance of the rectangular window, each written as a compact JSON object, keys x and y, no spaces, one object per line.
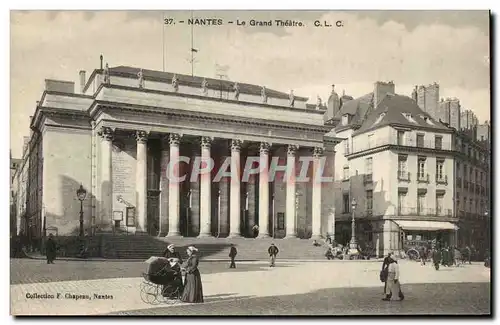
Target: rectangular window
{"x":368,"y":165}
{"x":421,"y":204}
{"x":369,"y":201}
{"x":465,"y":173}
{"x":440,"y":170}
{"x":465,"y":203}
{"x":346,"y":204}
{"x":439,"y":204}
{"x":421,"y":168}
{"x":346,"y":146}
{"x":401,"y":135}
{"x":471,"y":205}
{"x":370,"y":141}
{"x":346,"y":173}
{"x":438,"y":144}
{"x":401,"y":203}
{"x":420,"y":140}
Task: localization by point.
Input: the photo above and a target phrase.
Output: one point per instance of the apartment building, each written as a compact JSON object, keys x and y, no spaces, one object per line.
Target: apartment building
{"x":396,"y":162}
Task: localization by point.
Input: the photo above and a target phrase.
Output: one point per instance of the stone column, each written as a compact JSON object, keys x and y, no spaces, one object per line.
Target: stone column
{"x":264,"y":190}
{"x":164,"y":160}
{"x":205,"y":189}
{"x":106,"y":214}
{"x":291,"y":200}
{"x":141,"y":180}
{"x":235,"y":204}
{"x":173,"y":187}
{"x":316,"y":193}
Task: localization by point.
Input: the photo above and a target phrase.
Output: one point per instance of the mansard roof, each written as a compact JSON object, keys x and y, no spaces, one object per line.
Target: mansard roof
{"x":393,"y":109}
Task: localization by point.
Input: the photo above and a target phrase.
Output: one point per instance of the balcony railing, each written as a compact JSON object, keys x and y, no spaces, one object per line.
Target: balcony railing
{"x":404,"y":211}
{"x":367,"y":178}
{"x":359,"y":145}
{"x":442,"y":179}
{"x":423,"y":178}
{"x":403,"y":175}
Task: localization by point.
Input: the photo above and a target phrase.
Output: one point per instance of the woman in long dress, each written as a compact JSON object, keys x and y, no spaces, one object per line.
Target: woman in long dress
{"x":193,"y":289}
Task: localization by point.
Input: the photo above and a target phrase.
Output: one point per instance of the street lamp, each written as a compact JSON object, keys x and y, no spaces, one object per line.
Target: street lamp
{"x":353,"y":244}
{"x":81,"y":193}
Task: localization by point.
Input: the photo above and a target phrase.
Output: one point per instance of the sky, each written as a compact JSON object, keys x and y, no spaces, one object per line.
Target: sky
{"x":408,"y":47}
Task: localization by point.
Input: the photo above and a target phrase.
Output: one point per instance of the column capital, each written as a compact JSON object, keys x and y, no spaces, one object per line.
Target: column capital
{"x":106,"y":133}
{"x":264,"y":147}
{"x":174,"y":139}
{"x":318,"y":152}
{"x":236,"y":145}
{"x":292,"y":149}
{"x":141,"y":136}
{"x":206,"y":142}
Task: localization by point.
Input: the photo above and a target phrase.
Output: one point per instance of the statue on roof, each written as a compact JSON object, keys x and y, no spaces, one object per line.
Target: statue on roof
{"x":291,"y":98}
{"x":140,"y":76}
{"x":263,"y":94}
{"x":236,"y":89}
{"x":175,"y":83}
{"x":106,"y":74}
{"x":204,"y":87}
{"x":319,"y":103}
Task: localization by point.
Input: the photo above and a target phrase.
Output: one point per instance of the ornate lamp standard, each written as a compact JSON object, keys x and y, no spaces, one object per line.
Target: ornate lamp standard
{"x":81,"y":193}
{"x":353,"y":244}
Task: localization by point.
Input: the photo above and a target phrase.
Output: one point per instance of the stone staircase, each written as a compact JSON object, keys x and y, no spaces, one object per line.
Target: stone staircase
{"x":143,"y":247}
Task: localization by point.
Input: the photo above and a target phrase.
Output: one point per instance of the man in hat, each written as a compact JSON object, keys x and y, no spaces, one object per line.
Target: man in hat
{"x":273,"y":252}
{"x":232,"y":254}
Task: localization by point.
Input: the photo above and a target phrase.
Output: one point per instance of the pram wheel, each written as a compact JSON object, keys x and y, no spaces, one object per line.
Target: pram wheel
{"x":150,"y":293}
{"x":171,"y":294}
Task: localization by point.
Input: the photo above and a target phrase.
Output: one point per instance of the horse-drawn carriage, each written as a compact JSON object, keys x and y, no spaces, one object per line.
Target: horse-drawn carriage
{"x":162,"y":281}
{"x":417,"y":249}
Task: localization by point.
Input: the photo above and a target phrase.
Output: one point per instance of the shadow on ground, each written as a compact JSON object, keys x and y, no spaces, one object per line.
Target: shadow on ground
{"x":421,"y":299}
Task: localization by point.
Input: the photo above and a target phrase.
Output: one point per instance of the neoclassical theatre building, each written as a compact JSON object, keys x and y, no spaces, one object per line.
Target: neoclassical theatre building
{"x":118,"y":133}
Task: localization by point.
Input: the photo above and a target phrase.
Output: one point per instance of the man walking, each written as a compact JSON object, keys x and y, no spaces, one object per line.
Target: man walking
{"x":232,"y":254}
{"x":392,"y":284}
{"x":50,"y":249}
{"x":273,"y":252}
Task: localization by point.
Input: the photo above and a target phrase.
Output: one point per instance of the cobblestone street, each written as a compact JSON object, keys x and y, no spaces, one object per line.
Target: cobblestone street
{"x":315,"y":288}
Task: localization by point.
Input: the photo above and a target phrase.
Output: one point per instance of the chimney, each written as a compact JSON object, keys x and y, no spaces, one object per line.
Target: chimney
{"x":101,"y":61}
{"x":82,"y":80}
{"x":382,"y":89}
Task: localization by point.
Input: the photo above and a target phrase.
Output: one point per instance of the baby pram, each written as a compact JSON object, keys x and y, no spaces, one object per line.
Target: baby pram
{"x":162,"y":281}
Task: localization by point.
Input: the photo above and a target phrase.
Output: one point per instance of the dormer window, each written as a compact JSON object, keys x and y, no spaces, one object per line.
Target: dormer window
{"x":409,"y":117}
{"x":346,"y":118}
{"x":426,"y":119}
{"x":381,"y":116}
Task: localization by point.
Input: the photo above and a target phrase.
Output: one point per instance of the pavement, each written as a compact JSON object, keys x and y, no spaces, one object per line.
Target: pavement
{"x":252,"y":288}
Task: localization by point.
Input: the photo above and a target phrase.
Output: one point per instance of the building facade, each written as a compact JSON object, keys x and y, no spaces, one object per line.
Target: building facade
{"x":120,"y":134}
{"x":396,"y":162}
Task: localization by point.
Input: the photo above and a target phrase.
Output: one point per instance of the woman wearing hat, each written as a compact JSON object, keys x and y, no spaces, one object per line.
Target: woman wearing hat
{"x":171,"y":253}
{"x":392,"y":284}
{"x":193,"y":289}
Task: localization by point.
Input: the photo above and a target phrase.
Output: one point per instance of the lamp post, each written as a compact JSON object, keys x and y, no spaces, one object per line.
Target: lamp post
{"x":353,"y":244}
{"x":81,"y":193}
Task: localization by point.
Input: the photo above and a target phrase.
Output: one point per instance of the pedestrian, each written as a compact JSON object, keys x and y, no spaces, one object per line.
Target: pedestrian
{"x":273,"y":252}
{"x":392,"y":283}
{"x":423,"y":257}
{"x":436,"y":257}
{"x":383,"y":272}
{"x":328,"y":239}
{"x":193,"y":288}
{"x":50,"y":249}
{"x":232,"y":254}
{"x":255,"y":231}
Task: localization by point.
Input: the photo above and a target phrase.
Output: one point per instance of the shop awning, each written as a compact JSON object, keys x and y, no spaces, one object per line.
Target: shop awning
{"x":426,"y":225}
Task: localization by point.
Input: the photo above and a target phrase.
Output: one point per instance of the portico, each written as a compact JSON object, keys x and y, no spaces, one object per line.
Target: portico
{"x":145,"y":134}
